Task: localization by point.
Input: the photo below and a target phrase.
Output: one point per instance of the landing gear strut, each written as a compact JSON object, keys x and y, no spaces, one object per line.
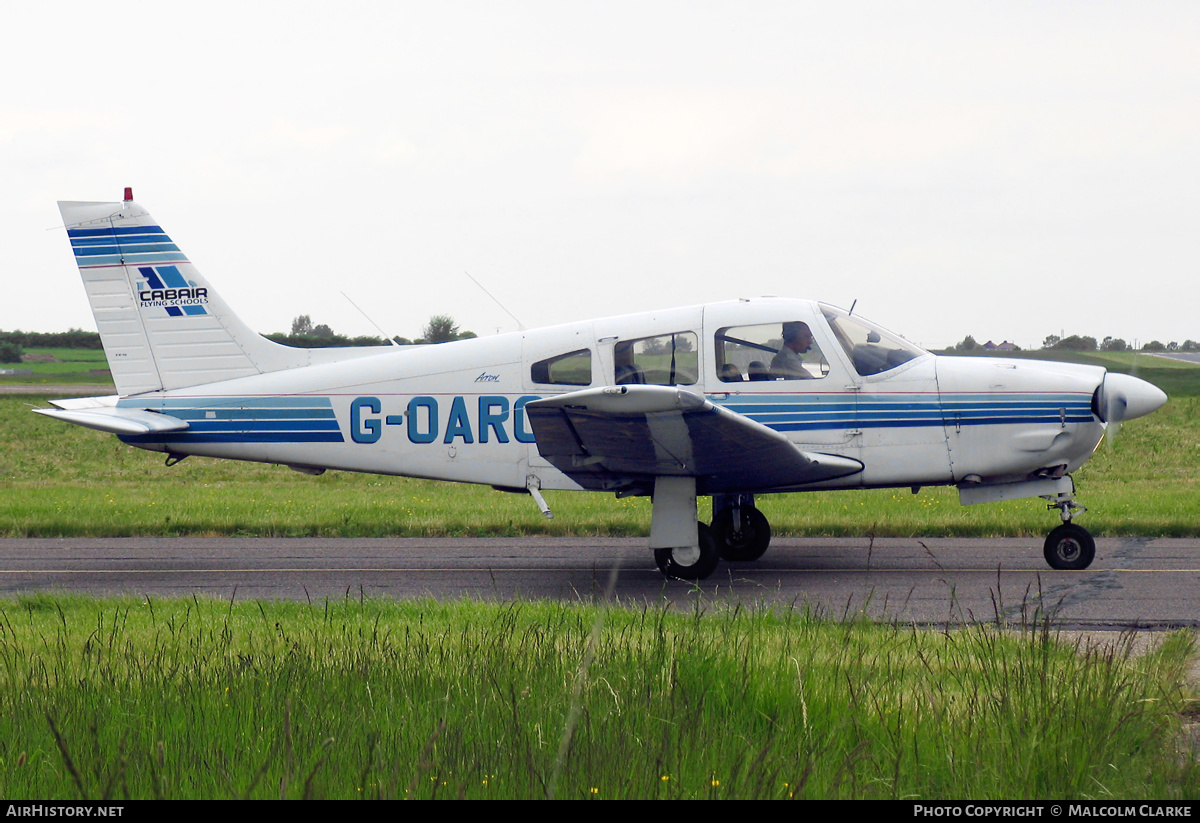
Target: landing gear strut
{"x":682,"y":547}
{"x":742,"y":531}
{"x":1068,"y":547}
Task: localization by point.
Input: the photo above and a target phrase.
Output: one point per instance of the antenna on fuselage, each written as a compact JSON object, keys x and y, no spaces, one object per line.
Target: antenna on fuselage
{"x":520,"y":325}
{"x":852,"y":305}
{"x":372,"y":322}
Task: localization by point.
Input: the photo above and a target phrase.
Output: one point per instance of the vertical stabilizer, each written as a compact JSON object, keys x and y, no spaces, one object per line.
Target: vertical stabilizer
{"x":163,"y":326}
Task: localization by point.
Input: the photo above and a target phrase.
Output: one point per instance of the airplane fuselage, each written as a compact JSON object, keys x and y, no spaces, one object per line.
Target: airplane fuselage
{"x":456,"y":411}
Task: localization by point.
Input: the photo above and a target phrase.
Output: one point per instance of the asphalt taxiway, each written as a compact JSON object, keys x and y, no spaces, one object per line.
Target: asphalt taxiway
{"x":1134,"y":582}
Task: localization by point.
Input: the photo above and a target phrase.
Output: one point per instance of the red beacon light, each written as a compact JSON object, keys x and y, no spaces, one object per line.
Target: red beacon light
{"x":128,"y":193}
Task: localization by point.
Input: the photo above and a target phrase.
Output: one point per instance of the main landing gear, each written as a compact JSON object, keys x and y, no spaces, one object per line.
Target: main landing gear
{"x":1068,"y":547}
{"x":690,"y":562}
{"x":741,"y":530}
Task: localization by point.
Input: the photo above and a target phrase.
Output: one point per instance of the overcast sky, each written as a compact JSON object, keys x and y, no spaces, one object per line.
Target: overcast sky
{"x":1006,"y":170}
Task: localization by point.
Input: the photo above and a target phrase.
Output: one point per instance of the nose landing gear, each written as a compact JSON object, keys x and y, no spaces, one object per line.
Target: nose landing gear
{"x":1068,"y":547}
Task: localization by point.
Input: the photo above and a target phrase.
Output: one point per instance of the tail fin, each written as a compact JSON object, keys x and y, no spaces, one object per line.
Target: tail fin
{"x":162,"y":325}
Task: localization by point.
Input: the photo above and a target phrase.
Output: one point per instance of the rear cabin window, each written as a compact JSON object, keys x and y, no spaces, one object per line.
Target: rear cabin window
{"x":663,"y":360}
{"x":571,"y":369}
{"x":769,"y":351}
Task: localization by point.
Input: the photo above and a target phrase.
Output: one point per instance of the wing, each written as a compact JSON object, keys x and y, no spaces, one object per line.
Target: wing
{"x":620,"y":437}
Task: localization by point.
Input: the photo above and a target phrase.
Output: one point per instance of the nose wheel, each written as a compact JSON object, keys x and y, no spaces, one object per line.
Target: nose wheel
{"x":1070,"y":547}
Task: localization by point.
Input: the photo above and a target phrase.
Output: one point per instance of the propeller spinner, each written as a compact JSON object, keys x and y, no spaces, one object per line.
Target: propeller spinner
{"x":1122,"y":397}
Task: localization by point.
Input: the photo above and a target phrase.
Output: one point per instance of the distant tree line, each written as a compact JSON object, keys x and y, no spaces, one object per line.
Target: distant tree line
{"x":70,"y":339}
{"x":1077,"y":342}
{"x":969,"y":343}
{"x":441,"y":328}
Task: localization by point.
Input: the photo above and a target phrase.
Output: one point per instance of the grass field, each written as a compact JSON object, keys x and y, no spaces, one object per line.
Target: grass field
{"x":61,"y":480}
{"x":68,"y":366}
{"x":117,"y":699}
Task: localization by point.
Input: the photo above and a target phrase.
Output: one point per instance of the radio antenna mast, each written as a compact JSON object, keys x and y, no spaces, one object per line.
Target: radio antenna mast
{"x":369,"y":320}
{"x":520,"y":325}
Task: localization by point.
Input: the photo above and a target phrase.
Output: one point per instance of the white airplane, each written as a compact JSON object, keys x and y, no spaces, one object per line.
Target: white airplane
{"x":729,"y":400}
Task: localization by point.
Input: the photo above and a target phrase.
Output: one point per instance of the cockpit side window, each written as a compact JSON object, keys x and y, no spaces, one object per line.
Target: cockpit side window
{"x":769,"y":351}
{"x":571,"y":369}
{"x":872,"y":350}
{"x":663,"y":360}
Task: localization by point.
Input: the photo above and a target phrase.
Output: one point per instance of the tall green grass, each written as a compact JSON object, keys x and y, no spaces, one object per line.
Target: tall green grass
{"x":378,"y":699}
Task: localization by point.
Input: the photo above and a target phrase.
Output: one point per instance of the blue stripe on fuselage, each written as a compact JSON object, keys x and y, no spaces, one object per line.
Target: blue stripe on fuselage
{"x":796,"y":412}
{"x":183,"y":438}
{"x":242,"y":420}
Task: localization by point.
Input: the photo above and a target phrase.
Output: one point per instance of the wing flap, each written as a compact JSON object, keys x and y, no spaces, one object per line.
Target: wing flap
{"x":621,"y":436}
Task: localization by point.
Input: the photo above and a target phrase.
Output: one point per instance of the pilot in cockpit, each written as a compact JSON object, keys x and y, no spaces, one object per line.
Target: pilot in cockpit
{"x":787,"y":365}
{"x":627,"y":370}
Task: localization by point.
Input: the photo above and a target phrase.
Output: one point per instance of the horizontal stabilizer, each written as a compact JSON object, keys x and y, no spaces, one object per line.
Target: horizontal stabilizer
{"x":622,"y":436}
{"x":118,"y":421}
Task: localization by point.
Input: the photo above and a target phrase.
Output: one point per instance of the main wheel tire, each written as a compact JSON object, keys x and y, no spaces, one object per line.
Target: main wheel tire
{"x":1070,"y":548}
{"x":746,"y":541}
{"x":689,"y":563}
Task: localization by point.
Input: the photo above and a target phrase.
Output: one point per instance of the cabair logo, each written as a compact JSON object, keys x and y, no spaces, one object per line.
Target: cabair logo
{"x":165,"y":287}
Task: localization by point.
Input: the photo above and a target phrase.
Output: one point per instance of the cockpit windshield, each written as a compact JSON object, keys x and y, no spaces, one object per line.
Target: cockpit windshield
{"x":873,"y":350}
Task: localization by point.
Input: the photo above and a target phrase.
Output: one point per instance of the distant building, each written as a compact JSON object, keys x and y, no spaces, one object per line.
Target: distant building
{"x":1005,"y":346}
